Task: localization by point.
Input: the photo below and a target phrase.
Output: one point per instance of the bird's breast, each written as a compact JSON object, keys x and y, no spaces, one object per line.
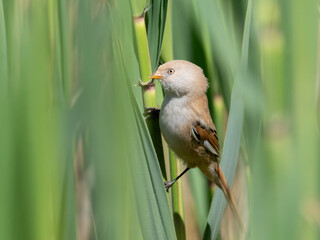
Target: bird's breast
{"x":175,"y":125}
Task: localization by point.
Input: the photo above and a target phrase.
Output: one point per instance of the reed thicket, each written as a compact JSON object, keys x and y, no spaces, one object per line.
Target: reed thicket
{"x":79,"y":161}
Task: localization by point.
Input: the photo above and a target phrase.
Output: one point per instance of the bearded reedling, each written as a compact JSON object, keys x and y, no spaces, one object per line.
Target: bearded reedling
{"x":186,"y":124}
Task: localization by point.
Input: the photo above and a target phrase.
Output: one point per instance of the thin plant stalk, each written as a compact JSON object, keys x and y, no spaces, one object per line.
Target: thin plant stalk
{"x":148,"y":90}
{"x":3,"y":53}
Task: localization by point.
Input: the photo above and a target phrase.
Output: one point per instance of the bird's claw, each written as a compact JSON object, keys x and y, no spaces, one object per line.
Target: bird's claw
{"x":168,"y":184}
{"x":151,"y":112}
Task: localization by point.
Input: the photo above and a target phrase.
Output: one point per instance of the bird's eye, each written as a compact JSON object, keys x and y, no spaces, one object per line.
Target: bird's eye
{"x":171,"y":71}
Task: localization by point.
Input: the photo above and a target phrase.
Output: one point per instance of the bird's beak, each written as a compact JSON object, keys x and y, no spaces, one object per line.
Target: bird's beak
{"x":156,"y":75}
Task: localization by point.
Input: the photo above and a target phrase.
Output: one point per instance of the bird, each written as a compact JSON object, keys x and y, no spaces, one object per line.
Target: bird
{"x":186,"y":123}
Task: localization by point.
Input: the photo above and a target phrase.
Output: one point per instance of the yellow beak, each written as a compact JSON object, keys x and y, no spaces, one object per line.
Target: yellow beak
{"x":155,"y":76}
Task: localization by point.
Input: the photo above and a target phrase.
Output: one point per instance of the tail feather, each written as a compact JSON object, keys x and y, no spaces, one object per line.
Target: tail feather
{"x":227,"y":193}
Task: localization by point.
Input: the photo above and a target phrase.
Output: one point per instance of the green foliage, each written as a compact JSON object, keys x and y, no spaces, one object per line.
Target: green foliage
{"x":77,"y":160}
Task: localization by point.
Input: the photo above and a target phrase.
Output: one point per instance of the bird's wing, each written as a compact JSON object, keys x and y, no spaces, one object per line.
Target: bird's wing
{"x":207,"y":136}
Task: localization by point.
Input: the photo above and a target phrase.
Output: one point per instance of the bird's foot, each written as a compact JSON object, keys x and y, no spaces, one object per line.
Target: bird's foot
{"x":169,"y":184}
{"x":151,"y":112}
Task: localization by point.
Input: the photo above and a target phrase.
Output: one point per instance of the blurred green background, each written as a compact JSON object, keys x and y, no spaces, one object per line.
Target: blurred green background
{"x":77,"y":160}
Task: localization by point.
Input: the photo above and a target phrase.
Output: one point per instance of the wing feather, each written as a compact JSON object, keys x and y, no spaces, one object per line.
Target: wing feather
{"x":207,"y":137}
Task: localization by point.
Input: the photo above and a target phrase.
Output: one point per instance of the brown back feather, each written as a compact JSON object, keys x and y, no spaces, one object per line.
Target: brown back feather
{"x":209,"y":134}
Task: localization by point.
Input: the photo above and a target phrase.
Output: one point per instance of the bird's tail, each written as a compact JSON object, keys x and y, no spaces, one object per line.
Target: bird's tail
{"x":227,"y":193}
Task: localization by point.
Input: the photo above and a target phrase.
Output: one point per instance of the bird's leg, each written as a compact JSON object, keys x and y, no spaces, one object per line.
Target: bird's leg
{"x":151,"y":112}
{"x":170,"y":183}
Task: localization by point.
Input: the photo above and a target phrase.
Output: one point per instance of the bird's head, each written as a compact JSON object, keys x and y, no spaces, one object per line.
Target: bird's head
{"x":179,"y":78}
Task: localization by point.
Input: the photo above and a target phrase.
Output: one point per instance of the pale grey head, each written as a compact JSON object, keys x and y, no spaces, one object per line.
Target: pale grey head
{"x":179,"y":78}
